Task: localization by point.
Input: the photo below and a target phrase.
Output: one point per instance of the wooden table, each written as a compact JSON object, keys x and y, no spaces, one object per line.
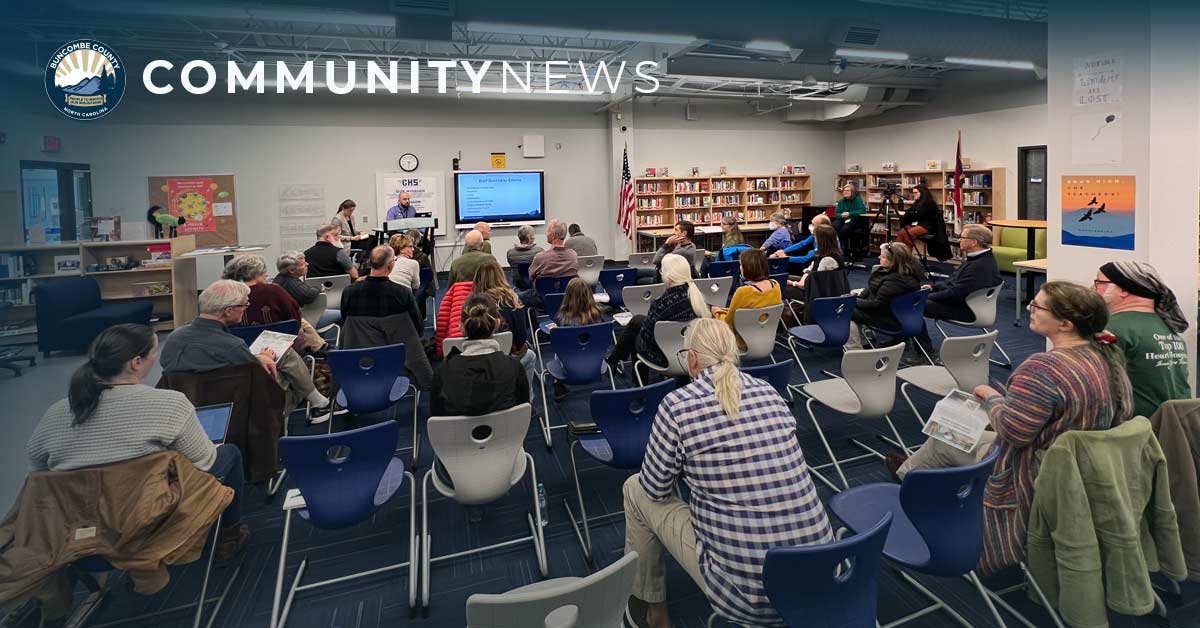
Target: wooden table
{"x":1030,"y":227}
{"x":657,"y":233}
{"x":1033,"y":266}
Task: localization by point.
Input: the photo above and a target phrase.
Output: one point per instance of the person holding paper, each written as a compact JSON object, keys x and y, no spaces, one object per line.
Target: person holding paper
{"x":271,"y":303}
{"x":1079,"y":384}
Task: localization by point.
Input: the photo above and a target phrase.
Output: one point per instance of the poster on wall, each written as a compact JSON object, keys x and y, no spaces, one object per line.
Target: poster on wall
{"x":302,"y":211}
{"x":1096,"y":138}
{"x":425,"y":193}
{"x":1098,"y":80}
{"x":1099,"y":211}
{"x":192,"y":200}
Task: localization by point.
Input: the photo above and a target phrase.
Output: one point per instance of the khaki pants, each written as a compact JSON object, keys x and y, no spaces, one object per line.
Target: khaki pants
{"x":651,"y":526}
{"x":292,"y":375}
{"x":935,"y":454}
{"x":310,"y":340}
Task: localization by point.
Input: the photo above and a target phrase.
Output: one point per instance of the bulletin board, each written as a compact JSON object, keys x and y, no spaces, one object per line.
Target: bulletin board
{"x":208,"y":202}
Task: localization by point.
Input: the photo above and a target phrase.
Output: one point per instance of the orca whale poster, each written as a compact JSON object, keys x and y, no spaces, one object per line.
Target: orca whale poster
{"x":1098,"y":211}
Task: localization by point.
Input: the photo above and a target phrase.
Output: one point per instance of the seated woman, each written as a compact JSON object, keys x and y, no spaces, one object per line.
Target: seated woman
{"x":271,"y":303}
{"x":850,"y":218}
{"x":1079,"y":384}
{"x":578,"y":306}
{"x":479,"y":379}
{"x":825,"y":256}
{"x":760,"y":290}
{"x":681,"y":302}
{"x":732,"y":240}
{"x":720,"y":434}
{"x":922,"y":218}
{"x":406,"y":271}
{"x":109,"y":416}
{"x":490,"y":281}
{"x":897,"y":274}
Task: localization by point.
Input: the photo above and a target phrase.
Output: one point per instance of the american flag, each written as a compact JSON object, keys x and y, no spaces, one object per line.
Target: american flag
{"x":956,"y":193}
{"x":625,"y":204}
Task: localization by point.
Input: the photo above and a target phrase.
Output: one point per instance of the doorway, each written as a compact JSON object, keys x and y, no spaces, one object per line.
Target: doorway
{"x":56,"y":199}
{"x":1031,"y":183}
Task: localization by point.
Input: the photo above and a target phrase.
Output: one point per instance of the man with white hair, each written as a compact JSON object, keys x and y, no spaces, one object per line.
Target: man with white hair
{"x":558,"y":261}
{"x":293,"y":267}
{"x":485,"y":230}
{"x":1147,"y":321}
{"x":978,"y":270}
{"x":205,"y":344}
{"x":522,"y":253}
{"x":464,"y":266}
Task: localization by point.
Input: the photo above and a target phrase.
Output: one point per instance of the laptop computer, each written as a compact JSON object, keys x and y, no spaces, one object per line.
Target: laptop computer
{"x":215,"y":421}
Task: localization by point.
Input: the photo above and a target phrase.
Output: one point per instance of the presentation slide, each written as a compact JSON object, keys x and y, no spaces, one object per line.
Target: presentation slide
{"x":498,"y":197}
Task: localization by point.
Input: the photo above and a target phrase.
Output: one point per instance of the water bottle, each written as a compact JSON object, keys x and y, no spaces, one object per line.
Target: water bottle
{"x":541,"y":497}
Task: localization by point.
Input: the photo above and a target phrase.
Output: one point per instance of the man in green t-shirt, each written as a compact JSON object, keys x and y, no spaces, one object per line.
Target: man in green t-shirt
{"x":1147,"y":321}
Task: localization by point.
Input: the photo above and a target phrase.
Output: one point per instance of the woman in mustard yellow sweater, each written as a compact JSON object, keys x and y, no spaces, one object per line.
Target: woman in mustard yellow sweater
{"x":759,"y":290}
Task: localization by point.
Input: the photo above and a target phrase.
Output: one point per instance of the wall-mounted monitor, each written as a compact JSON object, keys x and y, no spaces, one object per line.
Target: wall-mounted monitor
{"x":499,"y":197}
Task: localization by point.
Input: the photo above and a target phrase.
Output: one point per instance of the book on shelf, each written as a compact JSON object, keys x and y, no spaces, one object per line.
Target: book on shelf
{"x":650,"y":188}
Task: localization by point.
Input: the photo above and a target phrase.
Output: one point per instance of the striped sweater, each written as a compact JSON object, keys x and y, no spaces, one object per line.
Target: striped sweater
{"x":130,"y":422}
{"x":1048,"y":394}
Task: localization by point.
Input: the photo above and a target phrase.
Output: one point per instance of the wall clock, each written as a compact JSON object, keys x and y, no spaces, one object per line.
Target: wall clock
{"x":409,"y":162}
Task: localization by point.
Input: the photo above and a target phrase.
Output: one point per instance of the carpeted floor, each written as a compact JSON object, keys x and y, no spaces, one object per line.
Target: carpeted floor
{"x":382,"y":600}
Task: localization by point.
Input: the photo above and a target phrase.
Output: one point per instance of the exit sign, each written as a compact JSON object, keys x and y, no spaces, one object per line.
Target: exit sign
{"x":51,"y":144}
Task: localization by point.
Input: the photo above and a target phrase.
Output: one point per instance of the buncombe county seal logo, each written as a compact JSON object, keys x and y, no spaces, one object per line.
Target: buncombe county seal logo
{"x":85,"y":79}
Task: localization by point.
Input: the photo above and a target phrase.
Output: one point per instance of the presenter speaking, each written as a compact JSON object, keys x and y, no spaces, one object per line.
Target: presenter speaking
{"x":401,"y":209}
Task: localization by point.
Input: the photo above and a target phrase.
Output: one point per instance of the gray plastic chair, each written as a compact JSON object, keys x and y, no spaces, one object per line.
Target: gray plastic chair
{"x":637,"y":298}
{"x":503,"y":337}
{"x":590,"y":267}
{"x":964,"y":366}
{"x":866,"y":390}
{"x":313,"y":313}
{"x":641,"y":260}
{"x":669,"y":336}
{"x":982,"y":304}
{"x":757,"y":328}
{"x":333,"y":285}
{"x":715,"y":290}
{"x":597,"y":601}
{"x":478,"y":460}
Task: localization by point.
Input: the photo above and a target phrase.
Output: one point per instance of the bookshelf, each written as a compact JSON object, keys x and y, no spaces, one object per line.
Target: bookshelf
{"x":661,"y":201}
{"x":983,"y":195}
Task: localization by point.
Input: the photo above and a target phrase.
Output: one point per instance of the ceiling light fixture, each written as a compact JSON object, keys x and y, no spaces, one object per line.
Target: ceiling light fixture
{"x":767,"y":45}
{"x":553,"y":31}
{"x":857,"y":53}
{"x":818,"y":98}
{"x":992,"y":63}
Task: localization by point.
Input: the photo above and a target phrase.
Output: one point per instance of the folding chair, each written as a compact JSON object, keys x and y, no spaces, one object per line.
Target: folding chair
{"x":757,"y":328}
{"x":478,"y":459}
{"x":831,"y":329}
{"x":624,"y":418}
{"x":937,"y":526}
{"x":590,"y":267}
{"x":669,"y":336}
{"x":637,"y":299}
{"x":342,"y":479}
{"x":866,"y":390}
{"x":597,"y":601}
{"x":371,"y":380}
{"x":614,"y":281}
{"x":579,"y":354}
{"x":964,"y":366}
{"x":716,"y":291}
{"x":835,"y":584}
{"x":982,"y":304}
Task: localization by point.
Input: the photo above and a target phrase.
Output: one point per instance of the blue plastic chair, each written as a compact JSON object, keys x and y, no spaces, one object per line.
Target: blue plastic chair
{"x":777,"y":375}
{"x":372,"y":380}
{"x":831,"y":329}
{"x":937,"y":528}
{"x":625,"y":418}
{"x":544,"y":287}
{"x":777,"y":265}
{"x":579,"y":354}
{"x":614,"y":282}
{"x":551,"y":285}
{"x":522,"y":276}
{"x":725,"y":269}
{"x":250,"y":333}
{"x":780,"y":278}
{"x":342,"y":479}
{"x":909,"y":310}
{"x":810,"y":586}
{"x":552,"y":303}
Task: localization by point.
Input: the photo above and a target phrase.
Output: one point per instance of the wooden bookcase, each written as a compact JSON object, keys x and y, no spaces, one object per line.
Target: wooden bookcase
{"x":661,"y":201}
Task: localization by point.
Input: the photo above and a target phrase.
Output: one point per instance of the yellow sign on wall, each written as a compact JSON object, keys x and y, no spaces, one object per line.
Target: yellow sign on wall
{"x":499,"y":161}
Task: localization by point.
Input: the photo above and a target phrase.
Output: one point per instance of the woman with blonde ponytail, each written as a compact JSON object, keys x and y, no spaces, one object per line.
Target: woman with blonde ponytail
{"x":682,"y":302}
{"x":734,"y":440}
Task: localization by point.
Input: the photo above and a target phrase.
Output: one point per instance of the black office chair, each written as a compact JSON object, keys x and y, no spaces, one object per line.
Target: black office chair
{"x":10,"y":361}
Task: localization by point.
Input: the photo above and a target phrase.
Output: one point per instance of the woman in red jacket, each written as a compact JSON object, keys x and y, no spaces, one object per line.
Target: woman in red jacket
{"x":449,"y":318}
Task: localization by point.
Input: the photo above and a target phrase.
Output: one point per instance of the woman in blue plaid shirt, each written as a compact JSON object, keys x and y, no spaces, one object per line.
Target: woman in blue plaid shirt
{"x":734,"y":440}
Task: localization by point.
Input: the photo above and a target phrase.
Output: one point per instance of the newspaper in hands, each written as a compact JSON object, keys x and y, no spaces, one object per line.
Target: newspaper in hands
{"x":278,"y":343}
{"x":957,"y":420}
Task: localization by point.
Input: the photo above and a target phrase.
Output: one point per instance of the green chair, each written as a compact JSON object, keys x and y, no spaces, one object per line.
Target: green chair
{"x":1010,"y":245}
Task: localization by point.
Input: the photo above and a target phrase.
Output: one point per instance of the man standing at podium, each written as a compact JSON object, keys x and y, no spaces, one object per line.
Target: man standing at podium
{"x":402,"y":209}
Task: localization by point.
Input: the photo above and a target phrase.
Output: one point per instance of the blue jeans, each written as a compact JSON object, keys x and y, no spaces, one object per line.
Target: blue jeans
{"x":228,"y":469}
{"x":328,"y":318}
{"x":529,"y":362}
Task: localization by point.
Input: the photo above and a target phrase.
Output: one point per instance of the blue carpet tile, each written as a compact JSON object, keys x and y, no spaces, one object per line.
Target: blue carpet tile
{"x":382,"y":600}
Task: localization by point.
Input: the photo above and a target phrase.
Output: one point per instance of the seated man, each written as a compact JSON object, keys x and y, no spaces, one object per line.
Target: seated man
{"x":473,"y":256}
{"x":781,"y":236}
{"x":978,"y":270}
{"x":807,"y":243}
{"x":205,"y":344}
{"x":327,"y":257}
{"x":679,"y":243}
{"x":522,"y":253}
{"x":293,"y":267}
{"x":270,"y":303}
{"x":485,"y":230}
{"x":722,"y":433}
{"x":558,"y":261}
{"x":583,"y":245}
{"x":377,"y":295}
{"x":1147,"y":321}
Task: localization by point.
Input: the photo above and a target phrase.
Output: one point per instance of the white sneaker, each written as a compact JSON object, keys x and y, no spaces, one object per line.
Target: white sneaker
{"x":320,"y":418}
